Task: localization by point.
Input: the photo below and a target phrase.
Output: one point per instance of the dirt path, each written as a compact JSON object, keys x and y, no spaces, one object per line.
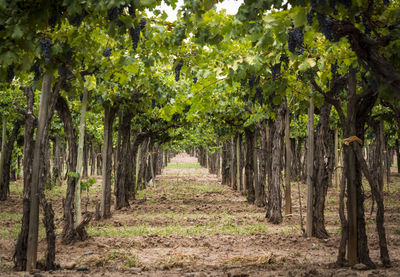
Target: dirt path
{"x":188,"y":224}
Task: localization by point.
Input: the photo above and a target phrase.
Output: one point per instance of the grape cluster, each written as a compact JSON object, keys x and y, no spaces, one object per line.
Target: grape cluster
{"x":325,"y":26}
{"x":310,"y":16}
{"x":178,"y":68}
{"x":113,"y":13}
{"x":132,"y":11}
{"x":366,"y":24}
{"x":194,"y":80}
{"x":135,"y":33}
{"x":135,"y":36}
{"x":64,"y":71}
{"x":276,"y":70}
{"x":334,"y":68}
{"x":55,"y":13}
{"x":107,"y":52}
{"x":315,"y":4}
{"x":10,"y":73}
{"x":258,"y":97}
{"x":386,"y":2}
{"x":284,"y":60}
{"x":35,"y":68}
{"x":45,"y":45}
{"x":142,"y":23}
{"x":68,"y":55}
{"x":295,"y":41}
{"x":252,"y":81}
{"x":76,"y":20}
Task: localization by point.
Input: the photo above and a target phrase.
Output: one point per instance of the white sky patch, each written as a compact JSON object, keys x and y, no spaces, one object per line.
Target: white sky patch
{"x":231,"y":7}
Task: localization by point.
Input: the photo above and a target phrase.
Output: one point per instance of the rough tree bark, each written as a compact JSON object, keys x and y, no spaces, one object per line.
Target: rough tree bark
{"x":19,"y":257}
{"x":3,"y":191}
{"x":34,"y":197}
{"x":323,"y":170}
{"x":64,"y":113}
{"x":125,"y":164}
{"x":288,"y":162}
{"x":9,"y":146}
{"x":233,"y":164}
{"x":109,"y":114}
{"x":249,"y":168}
{"x":274,"y":213}
{"x":263,"y":157}
{"x":359,"y":106}
{"x":80,"y":157}
{"x":259,"y":186}
{"x":310,"y":169}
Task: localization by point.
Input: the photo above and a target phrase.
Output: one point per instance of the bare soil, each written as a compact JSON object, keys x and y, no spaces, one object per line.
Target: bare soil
{"x":188,"y":224}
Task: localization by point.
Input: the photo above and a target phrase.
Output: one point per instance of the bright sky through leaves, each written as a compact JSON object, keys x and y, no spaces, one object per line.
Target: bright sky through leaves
{"x":231,"y":7}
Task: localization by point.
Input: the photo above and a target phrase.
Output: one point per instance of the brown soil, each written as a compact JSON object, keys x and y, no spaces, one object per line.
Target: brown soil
{"x":194,"y":201}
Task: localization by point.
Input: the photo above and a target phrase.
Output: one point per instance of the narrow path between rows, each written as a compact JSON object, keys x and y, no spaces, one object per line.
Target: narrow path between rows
{"x":187,"y":223}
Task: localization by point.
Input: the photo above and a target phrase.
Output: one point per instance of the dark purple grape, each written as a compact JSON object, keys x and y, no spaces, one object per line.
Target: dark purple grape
{"x":35,"y":68}
{"x":113,"y":13}
{"x":295,"y":39}
{"x":45,"y":45}
{"x":178,"y":70}
{"x":276,"y":70}
{"x":252,"y":81}
{"x":10,"y":73}
{"x":310,"y":16}
{"x":325,"y":26}
{"x":135,"y":36}
{"x":76,"y":20}
{"x":258,"y":97}
{"x":132,"y":11}
{"x":64,"y":71}
{"x":142,"y":23}
{"x":107,"y":52}
{"x":334,"y":68}
{"x":366,"y":25}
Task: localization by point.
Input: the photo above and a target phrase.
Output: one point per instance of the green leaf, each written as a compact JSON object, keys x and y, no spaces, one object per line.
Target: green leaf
{"x":299,"y":16}
{"x":147,"y":3}
{"x":277,"y":100}
{"x":306,"y":64}
{"x":90,"y":82}
{"x":17,"y":32}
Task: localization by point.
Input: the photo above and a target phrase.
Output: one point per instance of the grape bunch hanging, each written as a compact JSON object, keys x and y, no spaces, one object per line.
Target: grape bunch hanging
{"x":295,"y":41}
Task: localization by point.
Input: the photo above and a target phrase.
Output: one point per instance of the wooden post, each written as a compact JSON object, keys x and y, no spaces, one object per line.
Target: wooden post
{"x":310,"y":168}
{"x":288,"y":197}
{"x":238,"y":181}
{"x":3,"y":152}
{"x":34,"y":197}
{"x":82,"y":125}
{"x":336,"y":159}
{"x":383,"y":154}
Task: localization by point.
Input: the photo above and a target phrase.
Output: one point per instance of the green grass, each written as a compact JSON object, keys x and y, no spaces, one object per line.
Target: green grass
{"x":183,"y":165}
{"x":215,"y":224}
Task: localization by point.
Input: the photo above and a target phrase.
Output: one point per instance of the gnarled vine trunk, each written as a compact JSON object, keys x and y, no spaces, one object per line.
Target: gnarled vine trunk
{"x":323,"y":170}
{"x":249,"y":168}
{"x":274,"y":213}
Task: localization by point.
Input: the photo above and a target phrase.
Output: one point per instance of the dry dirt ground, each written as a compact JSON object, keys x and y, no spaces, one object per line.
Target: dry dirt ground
{"x":188,"y":224}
